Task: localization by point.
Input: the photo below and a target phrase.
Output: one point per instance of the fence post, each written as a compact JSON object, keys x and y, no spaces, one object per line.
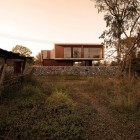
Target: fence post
{"x":2,"y":76}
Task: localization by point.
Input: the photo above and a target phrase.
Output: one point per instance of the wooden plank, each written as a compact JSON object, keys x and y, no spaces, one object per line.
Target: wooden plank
{"x":2,"y":76}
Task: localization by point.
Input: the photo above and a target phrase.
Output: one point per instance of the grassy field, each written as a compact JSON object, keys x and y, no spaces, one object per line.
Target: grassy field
{"x":71,"y":108}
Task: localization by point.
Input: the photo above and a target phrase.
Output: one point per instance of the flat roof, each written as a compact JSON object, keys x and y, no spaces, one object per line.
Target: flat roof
{"x":78,"y":59}
{"x":77,"y":44}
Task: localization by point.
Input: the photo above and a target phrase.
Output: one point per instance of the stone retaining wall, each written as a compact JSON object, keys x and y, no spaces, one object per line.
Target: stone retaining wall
{"x":72,"y":70}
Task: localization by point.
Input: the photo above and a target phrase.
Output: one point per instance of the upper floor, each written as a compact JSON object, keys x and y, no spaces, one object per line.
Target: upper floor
{"x":75,"y":52}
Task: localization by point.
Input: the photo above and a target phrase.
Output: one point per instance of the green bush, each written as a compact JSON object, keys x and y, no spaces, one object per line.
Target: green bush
{"x":60,"y":87}
{"x":65,"y":121}
{"x":29,"y":90}
{"x":59,"y":102}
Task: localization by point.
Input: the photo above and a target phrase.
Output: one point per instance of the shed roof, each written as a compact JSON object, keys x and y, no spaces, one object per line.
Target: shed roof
{"x":10,"y":55}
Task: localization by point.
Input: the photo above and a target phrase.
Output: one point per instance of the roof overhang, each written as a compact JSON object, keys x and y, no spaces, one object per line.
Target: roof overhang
{"x":81,"y":44}
{"x":78,"y":59}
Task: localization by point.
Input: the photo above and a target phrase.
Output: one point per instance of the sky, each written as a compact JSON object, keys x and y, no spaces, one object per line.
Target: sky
{"x":38,"y":24}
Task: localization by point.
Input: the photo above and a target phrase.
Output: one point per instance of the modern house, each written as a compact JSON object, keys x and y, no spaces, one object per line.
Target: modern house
{"x":68,"y":54}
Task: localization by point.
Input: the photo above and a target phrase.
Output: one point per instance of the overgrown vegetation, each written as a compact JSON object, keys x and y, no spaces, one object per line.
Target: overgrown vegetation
{"x":67,"y":108}
{"x":38,"y":110}
{"x":121,"y":93}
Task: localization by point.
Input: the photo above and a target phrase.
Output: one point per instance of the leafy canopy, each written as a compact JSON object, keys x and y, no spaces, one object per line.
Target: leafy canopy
{"x":24,"y":51}
{"x":122,"y":17}
{"x":38,"y":59}
{"x":123,"y":23}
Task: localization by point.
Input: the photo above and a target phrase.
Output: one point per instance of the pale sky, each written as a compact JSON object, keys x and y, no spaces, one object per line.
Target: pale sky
{"x":38,"y":24}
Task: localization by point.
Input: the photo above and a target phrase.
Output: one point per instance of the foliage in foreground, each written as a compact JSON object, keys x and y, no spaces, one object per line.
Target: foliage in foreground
{"x":39,"y":108}
{"x":32,"y":111}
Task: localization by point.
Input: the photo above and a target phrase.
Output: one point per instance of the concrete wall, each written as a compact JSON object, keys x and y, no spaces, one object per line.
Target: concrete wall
{"x":81,"y":70}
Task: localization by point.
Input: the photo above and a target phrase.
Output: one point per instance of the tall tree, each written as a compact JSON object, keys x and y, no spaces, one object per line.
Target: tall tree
{"x":38,"y":59}
{"x":123,"y":22}
{"x":22,"y":50}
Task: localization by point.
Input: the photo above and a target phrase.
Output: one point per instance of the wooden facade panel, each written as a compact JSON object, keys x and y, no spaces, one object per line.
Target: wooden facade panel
{"x":48,"y":54}
{"x":51,"y":62}
{"x":59,"y":51}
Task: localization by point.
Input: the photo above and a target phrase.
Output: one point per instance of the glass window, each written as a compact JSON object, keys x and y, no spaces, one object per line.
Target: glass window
{"x":92,"y":52}
{"x":44,"y":54}
{"x":76,"y":52}
{"x":67,"y":52}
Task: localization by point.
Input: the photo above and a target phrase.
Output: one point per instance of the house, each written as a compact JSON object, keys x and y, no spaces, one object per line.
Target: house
{"x":68,"y":54}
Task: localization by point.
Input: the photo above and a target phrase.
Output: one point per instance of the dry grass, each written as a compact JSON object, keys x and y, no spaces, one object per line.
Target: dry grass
{"x":121,"y":93}
{"x":67,"y":107}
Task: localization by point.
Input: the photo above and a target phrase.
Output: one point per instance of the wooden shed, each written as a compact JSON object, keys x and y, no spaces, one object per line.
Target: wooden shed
{"x":19,"y":62}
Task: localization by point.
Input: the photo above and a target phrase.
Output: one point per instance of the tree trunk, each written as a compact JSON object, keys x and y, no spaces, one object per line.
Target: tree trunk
{"x":129,"y":70}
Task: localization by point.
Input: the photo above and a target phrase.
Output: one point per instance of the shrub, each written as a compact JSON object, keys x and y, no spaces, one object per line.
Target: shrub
{"x":31,"y":79}
{"x":59,"y":102}
{"x":65,"y":121}
{"x":60,"y":87}
{"x":29,"y":90}
{"x":47,"y":88}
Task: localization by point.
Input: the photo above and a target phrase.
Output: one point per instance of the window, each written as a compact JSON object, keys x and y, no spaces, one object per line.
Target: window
{"x":44,"y":54}
{"x":67,"y":52}
{"x":76,"y":52}
{"x":92,"y":52}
